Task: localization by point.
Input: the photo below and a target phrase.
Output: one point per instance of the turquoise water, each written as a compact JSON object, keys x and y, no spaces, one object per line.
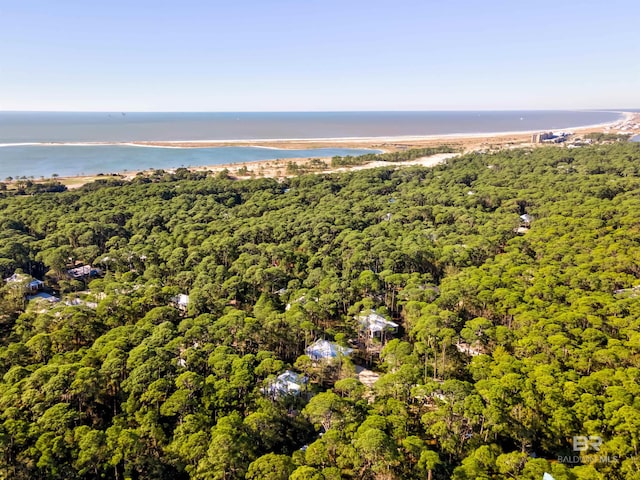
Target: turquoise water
{"x":70,"y":160}
{"x":42,"y":159}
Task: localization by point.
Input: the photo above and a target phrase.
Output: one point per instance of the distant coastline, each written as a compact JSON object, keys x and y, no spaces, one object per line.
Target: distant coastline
{"x":624,"y":116}
{"x":256,"y":142}
{"x":49,"y":156}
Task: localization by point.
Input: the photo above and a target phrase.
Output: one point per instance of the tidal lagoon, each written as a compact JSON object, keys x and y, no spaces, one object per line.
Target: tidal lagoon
{"x":69,"y":160}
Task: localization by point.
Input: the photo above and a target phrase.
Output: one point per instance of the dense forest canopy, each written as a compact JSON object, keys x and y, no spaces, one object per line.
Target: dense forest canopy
{"x":511,"y":278}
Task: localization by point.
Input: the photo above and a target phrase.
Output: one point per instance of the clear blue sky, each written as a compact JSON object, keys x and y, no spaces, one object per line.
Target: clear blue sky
{"x":259,"y":55}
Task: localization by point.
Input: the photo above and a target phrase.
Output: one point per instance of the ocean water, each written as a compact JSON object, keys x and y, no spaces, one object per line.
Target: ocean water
{"x":25,"y":137}
{"x":18,"y":127}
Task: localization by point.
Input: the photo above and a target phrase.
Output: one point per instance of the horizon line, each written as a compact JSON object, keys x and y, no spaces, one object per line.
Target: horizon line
{"x":603,"y":110}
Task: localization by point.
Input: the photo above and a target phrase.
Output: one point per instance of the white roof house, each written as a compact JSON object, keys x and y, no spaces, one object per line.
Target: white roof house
{"x":83,"y":271}
{"x":74,"y":302}
{"x":325,"y":350}
{"x":16,"y":277}
{"x":181,"y":301}
{"x":34,"y":284}
{"x":287,"y":383}
{"x":375,"y":324}
{"x":44,"y":296}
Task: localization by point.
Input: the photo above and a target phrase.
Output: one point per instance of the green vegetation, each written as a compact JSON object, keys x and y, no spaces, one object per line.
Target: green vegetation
{"x":510,"y":344}
{"x":608,"y":137}
{"x":314,"y":164}
{"x":29,"y":187}
{"x":243,"y":171}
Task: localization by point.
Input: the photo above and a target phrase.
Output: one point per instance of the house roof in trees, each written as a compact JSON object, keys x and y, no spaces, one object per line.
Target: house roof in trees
{"x":44,"y":296}
{"x":83,"y":271}
{"x":302,"y":300}
{"x":76,"y":301}
{"x":375,"y":322}
{"x":18,"y":277}
{"x":287,"y":383}
{"x":473,"y":350}
{"x":323,"y":349}
{"x":181,"y":301}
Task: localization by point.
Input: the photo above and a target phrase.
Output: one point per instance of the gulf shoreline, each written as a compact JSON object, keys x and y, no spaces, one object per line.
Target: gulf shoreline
{"x":628,"y":122}
{"x":623,"y":117}
{"x":333,"y":141}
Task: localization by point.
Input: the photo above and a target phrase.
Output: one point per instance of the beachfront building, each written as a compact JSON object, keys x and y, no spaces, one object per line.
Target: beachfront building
{"x":541,"y":137}
{"x":323,"y":350}
{"x":550,"y":137}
